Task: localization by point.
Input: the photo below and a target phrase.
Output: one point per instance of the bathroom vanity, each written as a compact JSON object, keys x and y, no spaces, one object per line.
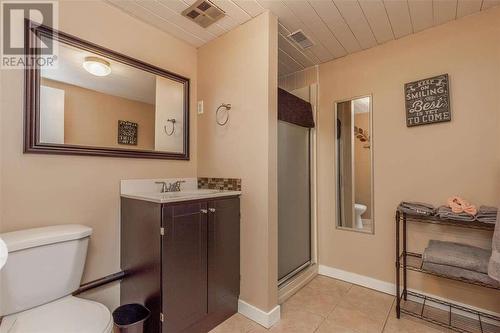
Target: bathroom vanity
{"x":181,"y":255}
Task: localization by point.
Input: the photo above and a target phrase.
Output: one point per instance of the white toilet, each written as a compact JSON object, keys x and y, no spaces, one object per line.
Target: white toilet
{"x":359,"y":210}
{"x":44,"y":266}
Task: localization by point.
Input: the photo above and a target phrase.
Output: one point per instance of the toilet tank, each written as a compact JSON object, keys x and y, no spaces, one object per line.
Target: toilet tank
{"x":44,"y":264}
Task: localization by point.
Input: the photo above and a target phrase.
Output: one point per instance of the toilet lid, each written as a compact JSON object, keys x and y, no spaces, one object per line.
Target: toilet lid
{"x":68,"y":314}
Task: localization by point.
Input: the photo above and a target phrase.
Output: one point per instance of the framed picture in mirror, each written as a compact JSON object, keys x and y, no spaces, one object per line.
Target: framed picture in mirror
{"x":74,"y":107}
{"x":127,"y":132}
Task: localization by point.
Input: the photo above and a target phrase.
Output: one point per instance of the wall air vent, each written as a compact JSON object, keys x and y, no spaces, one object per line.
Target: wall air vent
{"x":203,"y":13}
{"x":300,"y":38}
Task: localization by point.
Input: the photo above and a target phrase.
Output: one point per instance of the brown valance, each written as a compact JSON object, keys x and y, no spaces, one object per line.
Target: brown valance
{"x":294,"y":110}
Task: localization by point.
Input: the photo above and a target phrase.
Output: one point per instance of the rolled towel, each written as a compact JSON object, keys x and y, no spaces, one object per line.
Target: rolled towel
{"x":416,"y":208}
{"x":494,"y":264}
{"x":445,"y":213}
{"x":459,"y":205}
{"x":487,"y":214}
{"x":457,"y":255}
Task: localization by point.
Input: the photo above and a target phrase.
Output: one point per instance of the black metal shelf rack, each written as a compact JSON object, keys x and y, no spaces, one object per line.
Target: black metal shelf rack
{"x":455,"y":317}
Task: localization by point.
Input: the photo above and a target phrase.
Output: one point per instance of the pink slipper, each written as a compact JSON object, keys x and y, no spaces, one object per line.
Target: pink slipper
{"x":459,"y":205}
{"x":455,"y":203}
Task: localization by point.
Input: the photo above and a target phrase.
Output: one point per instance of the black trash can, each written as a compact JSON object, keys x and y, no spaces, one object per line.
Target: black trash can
{"x":130,"y":318}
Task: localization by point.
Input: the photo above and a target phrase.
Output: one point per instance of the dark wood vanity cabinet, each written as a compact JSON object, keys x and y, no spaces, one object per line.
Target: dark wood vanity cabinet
{"x":185,"y":269}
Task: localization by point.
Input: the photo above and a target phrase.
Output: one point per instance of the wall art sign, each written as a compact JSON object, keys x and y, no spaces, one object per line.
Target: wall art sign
{"x":427,"y":101}
{"x":127,"y":132}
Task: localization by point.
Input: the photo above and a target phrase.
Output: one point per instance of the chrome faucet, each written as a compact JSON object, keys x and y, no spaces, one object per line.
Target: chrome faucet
{"x":171,"y":187}
{"x":176,"y":186}
{"x":163,"y":186}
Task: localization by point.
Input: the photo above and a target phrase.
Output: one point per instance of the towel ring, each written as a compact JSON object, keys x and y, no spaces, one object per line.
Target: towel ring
{"x":169,"y":133}
{"x":225,"y":106}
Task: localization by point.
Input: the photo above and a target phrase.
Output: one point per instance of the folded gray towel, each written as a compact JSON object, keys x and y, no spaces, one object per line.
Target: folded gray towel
{"x":494,"y":264}
{"x":416,"y":208}
{"x":487,"y":210}
{"x":444,"y":212}
{"x":487,"y":214}
{"x":487,"y":220}
{"x":458,"y":255}
{"x":460,"y":273}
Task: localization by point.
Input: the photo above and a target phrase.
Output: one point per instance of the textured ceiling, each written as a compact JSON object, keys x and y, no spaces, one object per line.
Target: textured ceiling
{"x":337,"y":27}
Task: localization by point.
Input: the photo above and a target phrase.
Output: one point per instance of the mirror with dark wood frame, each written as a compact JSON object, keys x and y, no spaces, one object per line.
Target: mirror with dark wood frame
{"x":94,"y":101}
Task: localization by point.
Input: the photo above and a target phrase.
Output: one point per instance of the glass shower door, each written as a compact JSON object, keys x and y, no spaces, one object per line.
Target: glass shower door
{"x":294,"y":200}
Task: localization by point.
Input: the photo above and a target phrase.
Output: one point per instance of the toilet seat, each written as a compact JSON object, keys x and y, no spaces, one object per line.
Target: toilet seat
{"x":66,"y":315}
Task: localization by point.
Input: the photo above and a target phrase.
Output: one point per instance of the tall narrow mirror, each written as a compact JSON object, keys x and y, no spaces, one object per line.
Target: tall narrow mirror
{"x":354,"y":164}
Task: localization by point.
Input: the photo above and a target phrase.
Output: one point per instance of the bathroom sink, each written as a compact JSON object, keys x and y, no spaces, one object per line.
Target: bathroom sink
{"x":180,"y":196}
{"x":197,"y":192}
{"x":183,"y":194}
{"x":177,"y":196}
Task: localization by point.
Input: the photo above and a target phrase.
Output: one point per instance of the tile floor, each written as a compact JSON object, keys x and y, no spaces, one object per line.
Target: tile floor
{"x":327,"y":305}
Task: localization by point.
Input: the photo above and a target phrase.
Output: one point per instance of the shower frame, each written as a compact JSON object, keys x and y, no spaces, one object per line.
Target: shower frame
{"x":303,"y":274}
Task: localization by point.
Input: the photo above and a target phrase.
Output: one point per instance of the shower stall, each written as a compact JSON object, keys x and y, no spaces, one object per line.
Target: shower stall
{"x":295,"y":138}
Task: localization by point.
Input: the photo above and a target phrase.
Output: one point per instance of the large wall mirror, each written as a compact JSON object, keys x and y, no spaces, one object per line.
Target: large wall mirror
{"x":98,"y":102}
{"x":354,"y":164}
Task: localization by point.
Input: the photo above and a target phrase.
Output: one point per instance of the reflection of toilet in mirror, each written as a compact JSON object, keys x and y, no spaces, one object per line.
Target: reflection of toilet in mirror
{"x":359,"y":210}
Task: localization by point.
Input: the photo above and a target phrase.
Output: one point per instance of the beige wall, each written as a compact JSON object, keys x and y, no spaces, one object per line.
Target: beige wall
{"x":169,"y":105}
{"x":91,"y":117}
{"x":425,"y":163}
{"x":40,"y":190}
{"x":241,"y":68}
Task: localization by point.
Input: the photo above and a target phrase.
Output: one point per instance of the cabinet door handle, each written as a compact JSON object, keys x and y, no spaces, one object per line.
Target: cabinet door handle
{"x":212,"y":210}
{"x":204,"y":211}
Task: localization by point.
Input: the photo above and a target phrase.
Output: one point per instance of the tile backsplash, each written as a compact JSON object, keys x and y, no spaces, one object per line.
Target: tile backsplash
{"x":228,"y":184}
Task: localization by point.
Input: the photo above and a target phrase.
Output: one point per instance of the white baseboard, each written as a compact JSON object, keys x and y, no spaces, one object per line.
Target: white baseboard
{"x":266,"y":319}
{"x":389,"y":288}
{"x":360,"y":280}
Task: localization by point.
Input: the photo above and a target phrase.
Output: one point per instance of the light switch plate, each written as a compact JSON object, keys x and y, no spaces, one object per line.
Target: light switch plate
{"x":200,"y":107}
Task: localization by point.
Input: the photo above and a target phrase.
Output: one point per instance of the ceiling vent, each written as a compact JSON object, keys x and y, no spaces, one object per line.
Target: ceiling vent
{"x":204,"y":13}
{"x":300,"y":38}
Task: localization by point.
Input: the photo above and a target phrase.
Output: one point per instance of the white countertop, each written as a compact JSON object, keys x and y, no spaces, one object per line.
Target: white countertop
{"x":168,"y":197}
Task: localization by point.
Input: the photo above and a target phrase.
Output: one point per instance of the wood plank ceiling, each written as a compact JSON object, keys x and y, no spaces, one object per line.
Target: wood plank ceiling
{"x":336,"y":27}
